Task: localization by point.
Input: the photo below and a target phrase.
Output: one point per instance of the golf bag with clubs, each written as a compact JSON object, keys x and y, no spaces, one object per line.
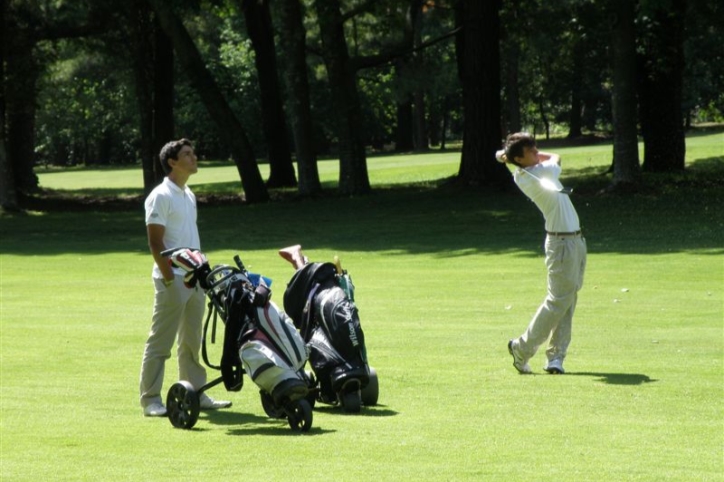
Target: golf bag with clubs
{"x":259,"y":341}
{"x":320,"y":300}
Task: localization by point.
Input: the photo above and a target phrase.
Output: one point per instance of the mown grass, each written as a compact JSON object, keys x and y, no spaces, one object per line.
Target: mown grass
{"x":444,"y":278}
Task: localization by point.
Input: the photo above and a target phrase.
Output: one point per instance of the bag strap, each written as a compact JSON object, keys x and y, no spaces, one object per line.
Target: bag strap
{"x":211,"y":312}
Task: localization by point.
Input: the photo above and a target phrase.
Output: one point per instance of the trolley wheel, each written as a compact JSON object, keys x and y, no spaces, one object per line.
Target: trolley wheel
{"x":351,"y":401}
{"x":313,"y":385}
{"x":371,"y":393}
{"x":300,"y":416}
{"x":182,"y":405}
{"x":270,"y":408}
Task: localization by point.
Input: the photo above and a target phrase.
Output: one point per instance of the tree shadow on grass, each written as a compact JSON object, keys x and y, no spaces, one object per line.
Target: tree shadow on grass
{"x":442,"y":220}
{"x":617,"y":378}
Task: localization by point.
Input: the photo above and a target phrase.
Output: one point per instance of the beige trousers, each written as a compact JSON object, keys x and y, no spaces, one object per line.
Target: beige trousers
{"x":178,"y":312}
{"x":566,"y":263}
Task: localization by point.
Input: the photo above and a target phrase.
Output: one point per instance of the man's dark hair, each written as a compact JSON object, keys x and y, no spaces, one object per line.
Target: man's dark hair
{"x":170,"y":151}
{"x":515,"y":144}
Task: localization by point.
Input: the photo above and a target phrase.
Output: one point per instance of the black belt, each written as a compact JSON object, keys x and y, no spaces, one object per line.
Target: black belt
{"x":573,"y":233}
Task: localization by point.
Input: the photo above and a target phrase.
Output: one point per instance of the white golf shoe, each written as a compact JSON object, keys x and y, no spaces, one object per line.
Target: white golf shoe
{"x":208,"y":403}
{"x":155,"y":410}
{"x":519,"y":361}
{"x":555,"y":367}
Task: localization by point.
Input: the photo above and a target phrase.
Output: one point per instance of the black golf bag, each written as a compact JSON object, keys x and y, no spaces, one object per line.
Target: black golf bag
{"x":259,"y":339}
{"x":320,"y":300}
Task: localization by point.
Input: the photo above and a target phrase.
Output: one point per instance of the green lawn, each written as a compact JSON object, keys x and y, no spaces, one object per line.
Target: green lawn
{"x":444,"y":278}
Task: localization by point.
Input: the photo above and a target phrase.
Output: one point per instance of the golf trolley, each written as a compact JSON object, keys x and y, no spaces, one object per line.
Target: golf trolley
{"x":259,"y":340}
{"x":320,"y":300}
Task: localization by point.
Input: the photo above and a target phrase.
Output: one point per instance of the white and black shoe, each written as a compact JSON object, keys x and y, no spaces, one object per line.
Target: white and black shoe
{"x":208,"y":403}
{"x":519,"y":361}
{"x":555,"y":367}
{"x":154,"y":410}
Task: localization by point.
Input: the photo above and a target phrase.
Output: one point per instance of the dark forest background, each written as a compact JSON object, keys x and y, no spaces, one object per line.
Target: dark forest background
{"x":110,"y":81}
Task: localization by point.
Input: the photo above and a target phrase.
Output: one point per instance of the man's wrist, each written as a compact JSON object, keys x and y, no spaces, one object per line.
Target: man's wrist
{"x":168,"y":282}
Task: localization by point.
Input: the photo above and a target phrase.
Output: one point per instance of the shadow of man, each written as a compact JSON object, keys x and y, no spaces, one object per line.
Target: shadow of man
{"x":617,"y":378}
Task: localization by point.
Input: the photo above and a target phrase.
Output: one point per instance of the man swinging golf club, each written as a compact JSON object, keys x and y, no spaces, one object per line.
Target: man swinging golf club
{"x":565,"y":249}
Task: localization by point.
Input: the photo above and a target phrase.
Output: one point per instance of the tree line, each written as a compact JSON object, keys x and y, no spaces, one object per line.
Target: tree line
{"x":110,"y":81}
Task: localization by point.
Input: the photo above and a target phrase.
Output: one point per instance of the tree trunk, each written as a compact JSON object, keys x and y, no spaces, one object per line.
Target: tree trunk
{"x":625,"y":142}
{"x":575,"y":122}
{"x":353,"y":177}
{"x":404,"y":132}
{"x":512,"y":89}
{"x":260,"y":30}
{"x":661,"y":90}
{"x":219,"y":110}
{"x":292,"y":39}
{"x":445,"y":121}
{"x":481,"y":95}
{"x":141,"y":27}
{"x":21,"y":76}
{"x":421,"y":135}
{"x":8,"y":194}
{"x":164,"y":127}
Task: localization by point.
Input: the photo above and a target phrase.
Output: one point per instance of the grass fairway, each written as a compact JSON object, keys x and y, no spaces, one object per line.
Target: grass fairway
{"x":444,"y":278}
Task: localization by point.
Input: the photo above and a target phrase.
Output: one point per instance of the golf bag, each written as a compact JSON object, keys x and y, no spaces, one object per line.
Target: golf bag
{"x":320,"y":300}
{"x":259,"y":339}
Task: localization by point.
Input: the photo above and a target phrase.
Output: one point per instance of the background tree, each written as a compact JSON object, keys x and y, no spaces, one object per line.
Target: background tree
{"x":660,"y":84}
{"x":625,"y":142}
{"x":353,"y":177}
{"x":75,"y":93}
{"x":8,"y":194}
{"x":28,"y":25}
{"x":153,"y":67}
{"x":21,"y":75}
{"x":260,"y":30}
{"x":481,"y":99}
{"x":292,"y":40}
{"x":226,"y":121}
{"x":704,"y":57}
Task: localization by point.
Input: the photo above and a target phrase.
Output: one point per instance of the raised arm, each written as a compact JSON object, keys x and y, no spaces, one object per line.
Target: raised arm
{"x":549,"y":156}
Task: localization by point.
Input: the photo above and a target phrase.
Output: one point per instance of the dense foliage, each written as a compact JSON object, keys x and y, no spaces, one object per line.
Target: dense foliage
{"x":82,"y":65}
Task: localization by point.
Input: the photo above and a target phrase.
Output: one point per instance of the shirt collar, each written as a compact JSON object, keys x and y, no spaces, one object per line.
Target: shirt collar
{"x":172,"y":185}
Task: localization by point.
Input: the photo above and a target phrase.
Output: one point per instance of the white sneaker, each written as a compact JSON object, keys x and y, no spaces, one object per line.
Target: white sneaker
{"x":519,"y":361}
{"x":208,"y":403}
{"x":555,"y":367}
{"x":155,"y":410}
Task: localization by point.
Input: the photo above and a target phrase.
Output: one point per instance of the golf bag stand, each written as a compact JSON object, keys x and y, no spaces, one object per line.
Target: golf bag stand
{"x":320,"y":300}
{"x":259,"y":340}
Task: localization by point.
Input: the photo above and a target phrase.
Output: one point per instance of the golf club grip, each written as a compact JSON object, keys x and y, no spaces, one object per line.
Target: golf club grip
{"x":239,"y":263}
{"x":168,"y":252}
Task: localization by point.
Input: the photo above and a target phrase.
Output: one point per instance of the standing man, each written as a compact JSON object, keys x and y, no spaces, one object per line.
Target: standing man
{"x":177,"y":310}
{"x":565,"y":248}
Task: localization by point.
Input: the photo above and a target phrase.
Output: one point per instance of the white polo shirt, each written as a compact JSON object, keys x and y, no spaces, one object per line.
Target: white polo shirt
{"x":173,"y":208}
{"x":558,"y":211}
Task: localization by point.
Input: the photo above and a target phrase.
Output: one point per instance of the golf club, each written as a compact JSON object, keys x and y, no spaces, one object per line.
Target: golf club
{"x":550,"y":185}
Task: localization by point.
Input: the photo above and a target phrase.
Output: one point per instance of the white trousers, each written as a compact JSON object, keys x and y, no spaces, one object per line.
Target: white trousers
{"x":177,"y":312}
{"x":566,"y":263}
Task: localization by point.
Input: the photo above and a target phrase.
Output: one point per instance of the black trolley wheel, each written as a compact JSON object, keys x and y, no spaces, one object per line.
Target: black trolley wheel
{"x":313,"y":385}
{"x":299,"y":415}
{"x":371,"y":393}
{"x":182,"y":405}
{"x":351,"y":401}
{"x":270,"y":408}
